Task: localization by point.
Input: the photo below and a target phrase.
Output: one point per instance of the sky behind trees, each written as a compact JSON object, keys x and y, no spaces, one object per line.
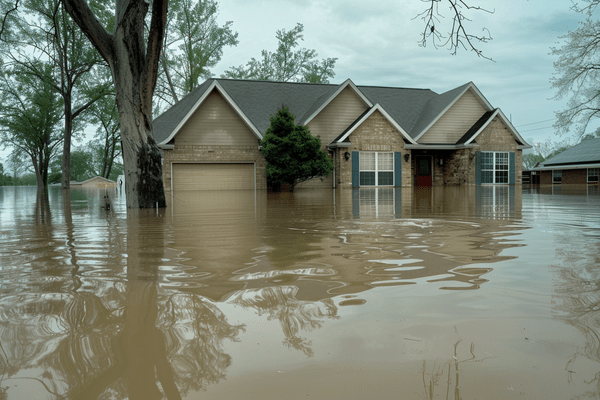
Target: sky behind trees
{"x":378,"y":44}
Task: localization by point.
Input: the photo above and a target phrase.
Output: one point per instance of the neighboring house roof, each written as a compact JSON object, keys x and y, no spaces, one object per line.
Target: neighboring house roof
{"x":584,"y":155}
{"x":410,"y":111}
{"x":96,"y":180}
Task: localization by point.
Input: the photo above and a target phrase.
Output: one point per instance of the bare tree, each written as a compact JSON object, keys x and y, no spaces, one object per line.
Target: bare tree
{"x":458,"y":35}
{"x":578,"y":72}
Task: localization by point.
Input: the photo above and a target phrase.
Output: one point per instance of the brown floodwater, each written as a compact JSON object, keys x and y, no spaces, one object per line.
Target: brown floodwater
{"x":443,"y":293}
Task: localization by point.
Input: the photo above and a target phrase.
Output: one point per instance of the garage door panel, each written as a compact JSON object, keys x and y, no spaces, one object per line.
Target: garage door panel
{"x":213,"y":176}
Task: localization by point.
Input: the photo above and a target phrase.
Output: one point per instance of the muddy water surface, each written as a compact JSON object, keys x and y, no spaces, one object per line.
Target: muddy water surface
{"x":445,"y":293}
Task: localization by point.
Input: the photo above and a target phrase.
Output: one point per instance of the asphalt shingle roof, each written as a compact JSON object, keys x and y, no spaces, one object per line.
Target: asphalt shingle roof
{"x":412,"y":109}
{"x":585,"y":152}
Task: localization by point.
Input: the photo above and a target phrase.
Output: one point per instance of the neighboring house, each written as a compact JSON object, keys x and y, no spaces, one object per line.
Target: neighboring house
{"x":377,"y":136}
{"x":579,"y":165}
{"x":95,"y":182}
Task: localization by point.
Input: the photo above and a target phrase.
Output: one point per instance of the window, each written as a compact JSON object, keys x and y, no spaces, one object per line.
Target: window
{"x":376,"y":169}
{"x":592,"y":175}
{"x":557,"y":176}
{"x":494,"y":167}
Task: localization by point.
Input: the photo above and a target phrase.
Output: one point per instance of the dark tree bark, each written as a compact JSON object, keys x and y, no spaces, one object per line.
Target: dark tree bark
{"x":134,"y":66}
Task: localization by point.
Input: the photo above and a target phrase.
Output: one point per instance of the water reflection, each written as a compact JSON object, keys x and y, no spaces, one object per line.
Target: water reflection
{"x":577,"y":298}
{"x":99,"y":303}
{"x":494,"y":201}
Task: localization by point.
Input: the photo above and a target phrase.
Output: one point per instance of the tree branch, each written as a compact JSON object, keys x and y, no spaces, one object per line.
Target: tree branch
{"x":83,"y":16}
{"x":15,"y":8}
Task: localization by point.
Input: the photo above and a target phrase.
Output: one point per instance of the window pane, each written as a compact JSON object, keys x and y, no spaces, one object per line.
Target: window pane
{"x":501,"y":177}
{"x":367,"y":178}
{"x":487,"y":161}
{"x":385,"y":178}
{"x":557,"y":176}
{"x":367,"y":161}
{"x":494,"y":167}
{"x":385,"y":161}
{"x":502,"y":159}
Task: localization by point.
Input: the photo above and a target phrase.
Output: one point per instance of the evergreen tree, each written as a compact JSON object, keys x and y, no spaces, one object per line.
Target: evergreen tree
{"x":293,"y":155}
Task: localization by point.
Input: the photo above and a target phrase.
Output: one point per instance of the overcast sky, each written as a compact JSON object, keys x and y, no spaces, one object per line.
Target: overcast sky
{"x":377,"y":44}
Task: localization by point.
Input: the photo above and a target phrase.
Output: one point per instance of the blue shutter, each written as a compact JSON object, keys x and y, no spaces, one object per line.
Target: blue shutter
{"x":477,"y":168}
{"x":397,"y":169}
{"x":355,"y":169}
{"x":511,"y":168}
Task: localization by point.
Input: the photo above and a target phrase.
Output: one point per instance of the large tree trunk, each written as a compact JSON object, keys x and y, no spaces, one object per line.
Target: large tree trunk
{"x":134,"y":66}
{"x":66,"y":161}
{"x":141,"y":157}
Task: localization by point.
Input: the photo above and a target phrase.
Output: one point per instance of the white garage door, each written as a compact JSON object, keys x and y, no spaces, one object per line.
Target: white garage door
{"x":212,"y":176}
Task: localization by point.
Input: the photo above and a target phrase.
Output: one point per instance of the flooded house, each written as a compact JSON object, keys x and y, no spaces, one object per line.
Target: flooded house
{"x":95,"y":182}
{"x":377,"y":136}
{"x":578,"y":165}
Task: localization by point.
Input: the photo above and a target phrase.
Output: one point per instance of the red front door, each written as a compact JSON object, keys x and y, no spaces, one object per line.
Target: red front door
{"x":423,"y":170}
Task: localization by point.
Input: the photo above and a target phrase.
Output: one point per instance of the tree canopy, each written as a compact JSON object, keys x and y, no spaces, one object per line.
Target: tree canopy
{"x":29,"y":117}
{"x":194,"y":43}
{"x":293,"y":155}
{"x":288,"y":63}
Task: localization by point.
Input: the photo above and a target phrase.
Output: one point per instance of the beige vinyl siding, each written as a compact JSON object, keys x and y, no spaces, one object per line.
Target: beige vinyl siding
{"x":456,"y":121}
{"x":215,"y":123}
{"x":337,"y":116}
{"x":215,"y":176}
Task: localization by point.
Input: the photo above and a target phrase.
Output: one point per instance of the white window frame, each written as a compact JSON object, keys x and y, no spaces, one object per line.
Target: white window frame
{"x":376,"y":171}
{"x":497,"y":161}
{"x":593,"y":173}
{"x":557,"y":176}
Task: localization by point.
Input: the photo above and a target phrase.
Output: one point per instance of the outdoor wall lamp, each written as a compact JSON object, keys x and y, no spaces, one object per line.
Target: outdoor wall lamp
{"x":347,"y":156}
{"x":406,"y":157}
{"x":441,"y":162}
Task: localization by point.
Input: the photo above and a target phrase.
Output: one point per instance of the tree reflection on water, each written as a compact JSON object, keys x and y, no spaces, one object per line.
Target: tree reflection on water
{"x":94,"y":311}
{"x":105,"y":338}
{"x":280,"y":303}
{"x":578,"y":303}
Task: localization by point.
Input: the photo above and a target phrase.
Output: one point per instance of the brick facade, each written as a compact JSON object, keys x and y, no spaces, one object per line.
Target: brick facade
{"x":215,"y":154}
{"x":459,"y":166}
{"x":375,"y":134}
{"x":569,"y":177}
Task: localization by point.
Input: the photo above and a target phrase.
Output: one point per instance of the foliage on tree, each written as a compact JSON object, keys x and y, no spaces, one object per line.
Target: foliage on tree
{"x":29,"y":117}
{"x":288,"y":63}
{"x":5,"y":179}
{"x":17,"y":164}
{"x":82,"y":167}
{"x":293,"y":155}
{"x":44,"y":31}
{"x":106,"y":147}
{"x":194,"y":43}
{"x":577,"y":72}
